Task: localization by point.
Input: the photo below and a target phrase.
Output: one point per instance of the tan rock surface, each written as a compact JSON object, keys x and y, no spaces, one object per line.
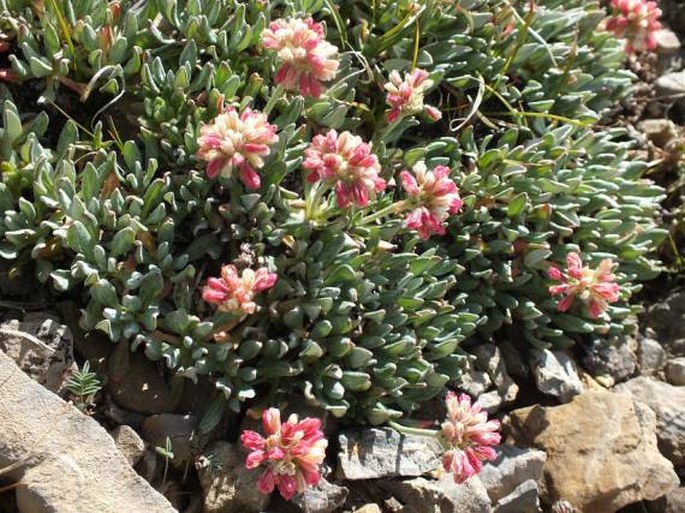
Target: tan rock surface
{"x":601,"y":451}
{"x":67,"y":462}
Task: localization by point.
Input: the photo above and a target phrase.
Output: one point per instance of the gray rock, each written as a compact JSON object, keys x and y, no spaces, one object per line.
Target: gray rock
{"x":516,"y":366}
{"x":675,"y":501}
{"x":42,"y":347}
{"x":490,"y":401}
{"x":227,"y":486}
{"x":667,"y":42}
{"x":442,"y":496}
{"x":601,"y":450}
{"x":178,"y":428}
{"x":617,"y":361}
{"x":369,"y":508}
{"x":555,"y":374}
{"x":474,"y":382}
{"x":66,"y":460}
{"x":376,"y":452}
{"x":652,"y":356}
{"x":668,"y":402}
{"x":512,"y":468}
{"x":659,"y":131}
{"x":667,"y":318}
{"x":325,"y":497}
{"x":129,"y":443}
{"x":523,"y":499}
{"x":675,"y":371}
{"x":671,"y":85}
{"x":137,"y":384}
{"x":489,"y":359}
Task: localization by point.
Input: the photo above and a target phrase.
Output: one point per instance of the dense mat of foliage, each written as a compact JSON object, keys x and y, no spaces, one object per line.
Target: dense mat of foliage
{"x":106,"y":196}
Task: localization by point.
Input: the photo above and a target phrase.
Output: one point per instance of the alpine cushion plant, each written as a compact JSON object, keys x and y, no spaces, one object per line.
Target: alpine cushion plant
{"x":239,"y":141}
{"x":469,"y":436}
{"x":595,"y":288}
{"x":433,"y":198}
{"x":306,"y":59}
{"x":195,"y":136}
{"x":235,"y":292}
{"x":637,"y":21}
{"x":346,"y":162}
{"x":290,"y":451}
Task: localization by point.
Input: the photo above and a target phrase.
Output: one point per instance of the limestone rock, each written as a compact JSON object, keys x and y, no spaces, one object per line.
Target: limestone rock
{"x":71,"y":461}
{"x":442,"y":496}
{"x":652,"y":356}
{"x":129,"y":443}
{"x":513,"y":467}
{"x":668,"y":402}
{"x":555,"y":374}
{"x":227,"y":486}
{"x":522,"y":499}
{"x":374,"y":453}
{"x":601,"y":451}
{"x":325,"y":497}
{"x":675,"y":371}
{"x":42,"y":347}
{"x":178,"y":428}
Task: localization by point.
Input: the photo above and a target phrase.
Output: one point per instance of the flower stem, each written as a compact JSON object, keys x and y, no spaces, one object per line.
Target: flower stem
{"x":406,"y":430}
{"x":394,"y":208}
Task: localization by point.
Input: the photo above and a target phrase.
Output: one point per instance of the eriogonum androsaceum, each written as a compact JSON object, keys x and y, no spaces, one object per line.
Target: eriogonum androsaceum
{"x":290,"y":451}
{"x":346,"y":161}
{"x":239,"y":141}
{"x":432,"y":196}
{"x":306,"y":58}
{"x":469,"y":435}
{"x":234,"y":292}
{"x":596,"y":288}
{"x":637,"y":21}
{"x":405,"y":96}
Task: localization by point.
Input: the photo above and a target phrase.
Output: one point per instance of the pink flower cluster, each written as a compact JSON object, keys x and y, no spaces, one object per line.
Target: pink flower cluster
{"x":470,"y":436}
{"x":346,"y":161}
{"x":291,"y":452}
{"x":235,"y":140}
{"x":405,"y":96}
{"x":596,"y":288}
{"x":435,"y":197}
{"x":235,"y":292}
{"x":637,"y":21}
{"x":307,"y":59}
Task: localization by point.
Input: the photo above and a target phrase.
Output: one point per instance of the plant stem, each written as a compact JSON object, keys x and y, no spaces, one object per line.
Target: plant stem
{"x":406,"y":430}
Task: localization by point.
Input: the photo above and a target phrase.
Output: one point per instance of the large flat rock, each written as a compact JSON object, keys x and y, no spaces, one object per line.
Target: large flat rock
{"x":70,"y":463}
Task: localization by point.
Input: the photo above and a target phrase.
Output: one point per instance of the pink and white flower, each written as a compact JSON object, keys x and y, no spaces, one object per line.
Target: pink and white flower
{"x":637,"y":21}
{"x":291,"y":452}
{"x":469,"y":435}
{"x":239,"y":141}
{"x":306,"y":58}
{"x":235,"y":292}
{"x":596,"y":288}
{"x":405,"y":96}
{"x":346,"y":161}
{"x":434,"y":198}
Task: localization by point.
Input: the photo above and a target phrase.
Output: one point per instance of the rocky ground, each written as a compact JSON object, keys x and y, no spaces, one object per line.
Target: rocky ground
{"x":602,"y":428}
